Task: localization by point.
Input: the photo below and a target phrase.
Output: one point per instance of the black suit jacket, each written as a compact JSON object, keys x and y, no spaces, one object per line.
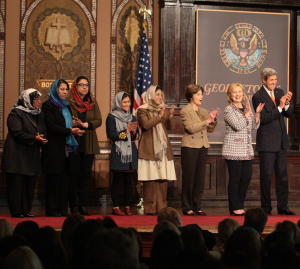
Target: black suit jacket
{"x":53,"y":152}
{"x":272,"y":134}
{"x":21,"y":153}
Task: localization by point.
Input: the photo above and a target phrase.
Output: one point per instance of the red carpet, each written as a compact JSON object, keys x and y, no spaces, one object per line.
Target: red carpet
{"x":141,"y":220}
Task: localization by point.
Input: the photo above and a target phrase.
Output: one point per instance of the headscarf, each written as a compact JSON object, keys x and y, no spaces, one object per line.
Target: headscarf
{"x":122,"y":119}
{"x":25,"y":101}
{"x":56,"y":100}
{"x":159,"y":136}
{"x":76,"y":101}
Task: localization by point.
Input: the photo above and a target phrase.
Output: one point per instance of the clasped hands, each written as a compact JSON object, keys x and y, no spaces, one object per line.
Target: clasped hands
{"x":78,"y":123}
{"x":131,"y":127}
{"x":40,"y":138}
{"x":212,"y":115}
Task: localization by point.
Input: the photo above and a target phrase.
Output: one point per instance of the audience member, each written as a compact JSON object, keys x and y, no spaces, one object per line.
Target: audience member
{"x":68,"y":228}
{"x":166,"y":247}
{"x":6,"y":228}
{"x":291,"y":228}
{"x":11,"y":242}
{"x":49,"y":248}
{"x":164,"y":225}
{"x":28,"y":229}
{"x":22,"y":258}
{"x":242,"y":250}
{"x":108,"y":222}
{"x":256,"y":218}
{"x":109,"y":249}
{"x":170,"y":214}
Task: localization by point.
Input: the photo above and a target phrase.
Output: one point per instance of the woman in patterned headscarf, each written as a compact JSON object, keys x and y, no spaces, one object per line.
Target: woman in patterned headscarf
{"x":21,"y":159}
{"x":86,"y":115}
{"x":122,"y":130}
{"x":156,"y":160}
{"x":55,"y":161}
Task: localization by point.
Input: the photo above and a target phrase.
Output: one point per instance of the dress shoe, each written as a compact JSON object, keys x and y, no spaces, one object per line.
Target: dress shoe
{"x":29,"y":215}
{"x":189,"y":213}
{"x":128,"y":211}
{"x":200,"y":213}
{"x":236,"y":214}
{"x":17,"y":216}
{"x":151,"y":214}
{"x":118,"y":212}
{"x":83,"y":211}
{"x":74,"y":210}
{"x":53,"y":214}
{"x":285,"y":212}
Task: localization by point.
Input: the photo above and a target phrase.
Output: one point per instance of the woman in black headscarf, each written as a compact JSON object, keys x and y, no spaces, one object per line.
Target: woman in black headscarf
{"x":21,"y":159}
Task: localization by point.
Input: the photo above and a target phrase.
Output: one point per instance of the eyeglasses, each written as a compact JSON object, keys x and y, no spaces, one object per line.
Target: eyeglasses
{"x":82,"y":85}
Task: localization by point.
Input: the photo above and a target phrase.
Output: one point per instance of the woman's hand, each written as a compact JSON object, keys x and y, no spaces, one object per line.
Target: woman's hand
{"x":212,"y":115}
{"x":260,"y":108}
{"x":77,"y":132}
{"x":76,"y":121}
{"x":40,"y":138}
{"x":131,"y":127}
{"x":162,"y":111}
{"x":172,"y":111}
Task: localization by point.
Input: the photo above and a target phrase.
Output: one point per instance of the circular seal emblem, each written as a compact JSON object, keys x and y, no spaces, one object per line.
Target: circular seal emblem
{"x":243,"y":48}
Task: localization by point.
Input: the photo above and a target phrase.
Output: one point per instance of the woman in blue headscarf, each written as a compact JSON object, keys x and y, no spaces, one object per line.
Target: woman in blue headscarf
{"x":55,"y":161}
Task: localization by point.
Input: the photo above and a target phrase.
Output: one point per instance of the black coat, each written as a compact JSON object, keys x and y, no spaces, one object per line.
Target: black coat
{"x":271,"y":135}
{"x":54,"y":151}
{"x":115,"y":158}
{"x":21,"y":153}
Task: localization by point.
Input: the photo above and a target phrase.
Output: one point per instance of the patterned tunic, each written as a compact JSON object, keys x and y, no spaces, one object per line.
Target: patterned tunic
{"x":238,"y":140}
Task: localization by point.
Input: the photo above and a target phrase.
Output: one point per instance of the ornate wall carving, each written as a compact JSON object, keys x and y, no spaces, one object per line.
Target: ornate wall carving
{"x":126,"y":29}
{"x":57,"y":41}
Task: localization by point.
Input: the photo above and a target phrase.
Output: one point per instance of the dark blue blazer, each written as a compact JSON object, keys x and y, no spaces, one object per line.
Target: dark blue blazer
{"x":113,"y":135}
{"x":272,"y":134}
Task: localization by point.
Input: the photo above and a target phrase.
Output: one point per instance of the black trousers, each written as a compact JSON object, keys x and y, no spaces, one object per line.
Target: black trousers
{"x":20,"y":192}
{"x":115,"y":187}
{"x":79,"y":183}
{"x":57,"y":187}
{"x":270,"y":161}
{"x":240,"y":174}
{"x":193,"y":165}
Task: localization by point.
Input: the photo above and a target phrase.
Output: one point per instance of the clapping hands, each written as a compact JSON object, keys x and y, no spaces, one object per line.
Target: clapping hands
{"x":78,"y":123}
{"x":131,"y":127}
{"x":40,"y":138}
{"x":213,"y":114}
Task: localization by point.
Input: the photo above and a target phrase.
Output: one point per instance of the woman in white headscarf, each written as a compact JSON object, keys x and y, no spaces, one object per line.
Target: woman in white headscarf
{"x":21,"y":159}
{"x":122,"y":130}
{"x":156,"y":160}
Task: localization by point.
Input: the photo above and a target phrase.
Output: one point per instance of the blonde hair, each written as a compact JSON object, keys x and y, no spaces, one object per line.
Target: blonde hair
{"x":6,"y":228}
{"x":231,"y":88}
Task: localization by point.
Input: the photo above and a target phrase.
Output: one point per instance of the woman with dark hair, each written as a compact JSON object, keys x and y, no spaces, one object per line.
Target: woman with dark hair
{"x":86,"y":115}
{"x":194,"y":147}
{"x":55,"y":154}
{"x":21,"y":158}
{"x":122,"y":130}
{"x":156,"y":160}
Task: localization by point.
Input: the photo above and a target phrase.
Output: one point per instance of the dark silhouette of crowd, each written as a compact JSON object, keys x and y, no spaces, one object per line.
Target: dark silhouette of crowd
{"x":100,"y":243}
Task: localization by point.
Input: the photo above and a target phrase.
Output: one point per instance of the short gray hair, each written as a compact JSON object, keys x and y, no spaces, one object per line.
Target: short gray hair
{"x":266,"y":72}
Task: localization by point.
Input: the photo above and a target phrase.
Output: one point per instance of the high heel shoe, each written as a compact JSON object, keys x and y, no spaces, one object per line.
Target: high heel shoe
{"x":235,"y":214}
{"x":128,"y":211}
{"x":189,"y":213}
{"x":83,"y":211}
{"x":118,"y":212}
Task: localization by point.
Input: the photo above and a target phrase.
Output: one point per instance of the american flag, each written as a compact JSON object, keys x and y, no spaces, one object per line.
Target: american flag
{"x":143,"y":74}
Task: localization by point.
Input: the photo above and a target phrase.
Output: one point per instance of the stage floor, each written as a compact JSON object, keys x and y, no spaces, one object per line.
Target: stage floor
{"x":145,"y":224}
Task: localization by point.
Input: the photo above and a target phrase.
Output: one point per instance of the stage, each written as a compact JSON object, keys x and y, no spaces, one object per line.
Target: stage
{"x":144,"y":224}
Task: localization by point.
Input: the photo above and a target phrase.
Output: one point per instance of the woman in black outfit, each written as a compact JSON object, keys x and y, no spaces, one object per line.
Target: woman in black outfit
{"x":21,"y":160}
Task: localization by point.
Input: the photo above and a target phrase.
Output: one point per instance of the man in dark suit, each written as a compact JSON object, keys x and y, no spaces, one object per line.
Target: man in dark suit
{"x":272,"y":140}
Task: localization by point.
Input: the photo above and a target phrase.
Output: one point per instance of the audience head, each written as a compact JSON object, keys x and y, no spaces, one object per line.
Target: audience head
{"x":11,"y":242}
{"x":108,"y":222}
{"x":163,"y":226}
{"x":68,"y":228}
{"x":27,"y":229}
{"x":166,"y":247}
{"x":81,"y":236}
{"x":170,"y":214}
{"x":242,"y":250}
{"x":49,"y":248}
{"x":192,"y":238}
{"x":278,"y":251}
{"x":6,"y":228}
{"x":111,"y":249}
{"x":22,"y":258}
{"x":256,"y":218}
{"x":225,"y":229}
{"x":291,"y":228}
